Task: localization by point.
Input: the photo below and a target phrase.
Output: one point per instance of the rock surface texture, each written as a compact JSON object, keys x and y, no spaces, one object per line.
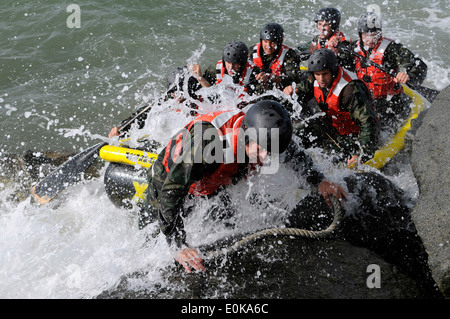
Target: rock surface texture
{"x":430,"y":161}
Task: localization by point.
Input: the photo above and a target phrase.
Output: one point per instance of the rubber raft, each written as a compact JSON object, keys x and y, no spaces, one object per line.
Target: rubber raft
{"x":126,"y":178}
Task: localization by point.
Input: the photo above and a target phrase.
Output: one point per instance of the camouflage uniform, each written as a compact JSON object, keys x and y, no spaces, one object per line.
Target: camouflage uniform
{"x":319,"y":132}
{"x":393,"y":110}
{"x":291,"y":64}
{"x":167,"y":191}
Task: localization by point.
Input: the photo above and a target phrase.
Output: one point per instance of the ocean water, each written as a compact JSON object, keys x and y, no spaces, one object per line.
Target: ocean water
{"x":63,"y":87}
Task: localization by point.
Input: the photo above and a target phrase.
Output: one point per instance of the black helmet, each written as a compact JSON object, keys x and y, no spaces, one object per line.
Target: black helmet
{"x":235,"y":52}
{"x":273,"y":32}
{"x":323,"y":59}
{"x":268,"y":114}
{"x":369,"y":22}
{"x":331,"y":15}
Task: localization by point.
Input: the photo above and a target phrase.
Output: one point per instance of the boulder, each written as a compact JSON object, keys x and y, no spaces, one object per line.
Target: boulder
{"x":430,"y":161}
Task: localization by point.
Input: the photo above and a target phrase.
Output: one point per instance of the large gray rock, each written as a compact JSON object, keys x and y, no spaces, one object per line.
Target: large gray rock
{"x":430,"y":161}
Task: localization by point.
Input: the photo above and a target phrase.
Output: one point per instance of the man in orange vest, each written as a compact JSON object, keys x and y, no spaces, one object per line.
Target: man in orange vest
{"x":278,"y":62}
{"x":328,"y":21}
{"x":185,"y":166}
{"x":348,"y":127}
{"x":234,"y":67}
{"x":390,"y":102}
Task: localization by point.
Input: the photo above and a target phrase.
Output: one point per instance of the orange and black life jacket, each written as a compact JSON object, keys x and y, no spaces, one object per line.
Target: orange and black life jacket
{"x":341,"y":120}
{"x":379,"y":83}
{"x":276,"y":64}
{"x":244,"y":79}
{"x":228,"y":124}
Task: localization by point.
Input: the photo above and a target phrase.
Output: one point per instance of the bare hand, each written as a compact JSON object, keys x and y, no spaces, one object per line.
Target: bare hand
{"x":401,"y":78}
{"x":353,"y":160}
{"x":190,"y":258}
{"x":313,"y":48}
{"x":289,"y":90}
{"x":197,"y":71}
{"x":262,"y":77}
{"x":333,"y":44}
{"x":114,"y":132}
{"x":327,"y":188}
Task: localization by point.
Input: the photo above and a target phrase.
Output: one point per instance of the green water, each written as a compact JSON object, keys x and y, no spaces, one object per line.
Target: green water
{"x":61,"y":87}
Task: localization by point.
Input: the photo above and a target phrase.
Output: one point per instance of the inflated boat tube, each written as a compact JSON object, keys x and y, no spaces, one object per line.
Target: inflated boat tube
{"x":125,"y":185}
{"x":129,"y":156}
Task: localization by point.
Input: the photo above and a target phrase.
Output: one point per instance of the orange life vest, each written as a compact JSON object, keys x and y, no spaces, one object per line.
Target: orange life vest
{"x":277,"y":62}
{"x":381,"y":84}
{"x":244,"y":79}
{"x":341,"y":120}
{"x":228,"y":124}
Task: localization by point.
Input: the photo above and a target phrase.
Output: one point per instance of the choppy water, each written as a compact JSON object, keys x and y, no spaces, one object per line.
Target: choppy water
{"x":62,"y":88}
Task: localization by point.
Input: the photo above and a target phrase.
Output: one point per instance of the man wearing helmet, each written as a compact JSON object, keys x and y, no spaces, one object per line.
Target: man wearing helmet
{"x":328,"y":21}
{"x":390,"y":102}
{"x":234,"y":64}
{"x":185,"y":167}
{"x":349,"y":125}
{"x":278,"y":63}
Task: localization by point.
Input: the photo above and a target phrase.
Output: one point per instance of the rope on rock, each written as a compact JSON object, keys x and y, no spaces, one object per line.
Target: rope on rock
{"x":297,"y":232}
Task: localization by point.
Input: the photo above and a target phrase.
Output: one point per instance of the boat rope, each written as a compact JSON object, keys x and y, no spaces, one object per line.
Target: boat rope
{"x":296,"y":232}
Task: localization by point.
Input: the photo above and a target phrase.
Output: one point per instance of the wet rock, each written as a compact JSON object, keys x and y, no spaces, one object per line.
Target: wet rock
{"x":20,"y":172}
{"x":430,"y":159}
{"x":279,"y":267}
